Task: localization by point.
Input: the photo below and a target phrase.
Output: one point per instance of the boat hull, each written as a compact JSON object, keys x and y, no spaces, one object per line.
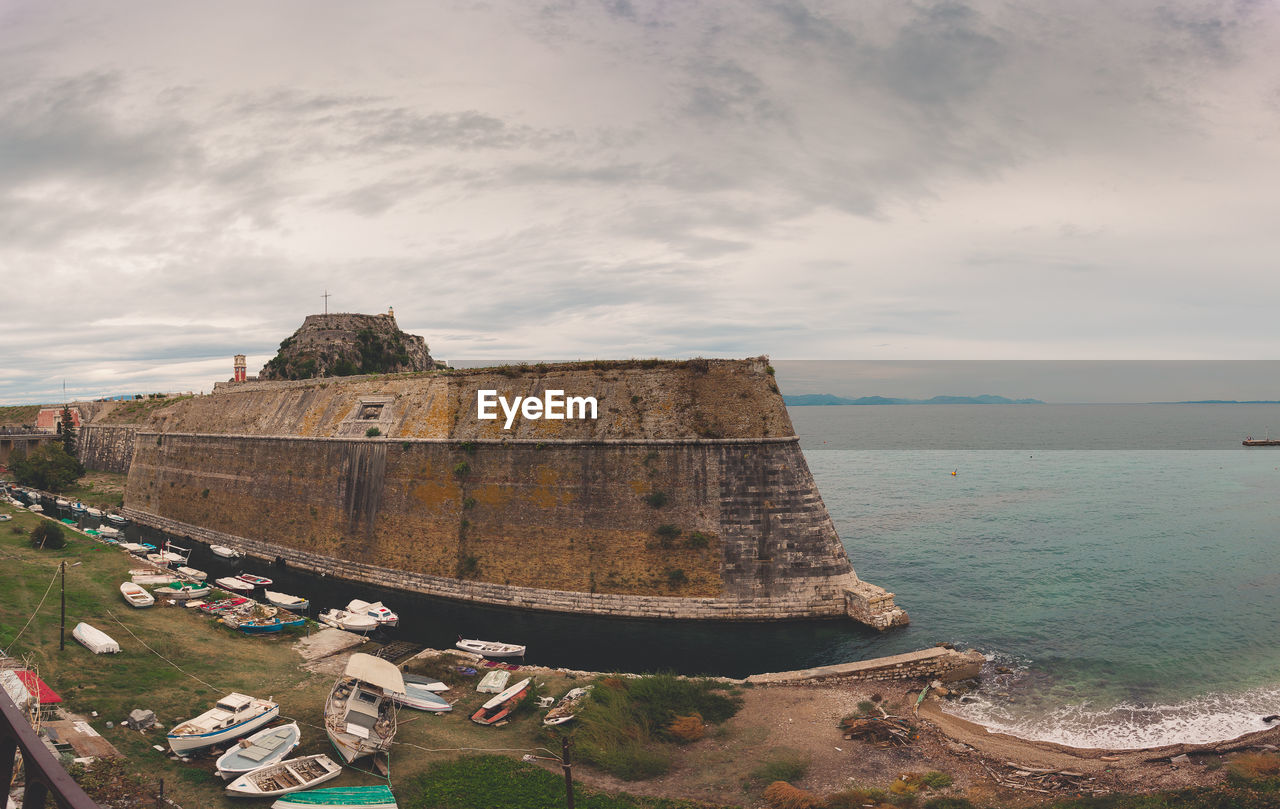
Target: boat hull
{"x":265,"y":748}
{"x":284,"y":777}
{"x":374,"y":797}
{"x":186,"y":742}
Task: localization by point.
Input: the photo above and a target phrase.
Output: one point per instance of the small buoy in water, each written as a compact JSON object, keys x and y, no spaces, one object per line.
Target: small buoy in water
{"x":953,"y":474}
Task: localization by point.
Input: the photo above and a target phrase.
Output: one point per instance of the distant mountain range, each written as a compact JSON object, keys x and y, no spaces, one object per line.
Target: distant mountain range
{"x":806,"y":399}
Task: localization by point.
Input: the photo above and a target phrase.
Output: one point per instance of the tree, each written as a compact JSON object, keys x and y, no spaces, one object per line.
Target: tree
{"x":48,"y":468}
{"x":48,"y":535}
{"x":68,"y":429}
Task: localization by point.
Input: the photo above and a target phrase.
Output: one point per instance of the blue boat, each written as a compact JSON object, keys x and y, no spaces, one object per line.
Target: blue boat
{"x":262,"y":749}
{"x":262,"y":626}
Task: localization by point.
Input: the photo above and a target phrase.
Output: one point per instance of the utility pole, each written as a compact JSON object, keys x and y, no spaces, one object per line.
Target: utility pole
{"x":568,"y":772}
{"x":62,"y":629}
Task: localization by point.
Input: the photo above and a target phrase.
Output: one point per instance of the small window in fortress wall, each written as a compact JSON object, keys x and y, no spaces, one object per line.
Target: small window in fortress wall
{"x":370,"y":412}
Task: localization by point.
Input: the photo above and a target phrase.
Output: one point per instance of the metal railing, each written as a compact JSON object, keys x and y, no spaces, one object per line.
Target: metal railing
{"x":45,"y":776}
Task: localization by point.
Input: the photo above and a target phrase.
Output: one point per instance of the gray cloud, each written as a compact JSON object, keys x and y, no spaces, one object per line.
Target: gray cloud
{"x":616,"y":178}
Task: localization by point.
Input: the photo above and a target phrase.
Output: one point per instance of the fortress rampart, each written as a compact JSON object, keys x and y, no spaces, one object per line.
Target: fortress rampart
{"x":688,"y":497}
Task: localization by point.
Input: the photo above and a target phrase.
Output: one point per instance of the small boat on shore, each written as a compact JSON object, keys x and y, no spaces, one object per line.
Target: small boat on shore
{"x":263,"y":748}
{"x":374,"y":797}
{"x":498,"y":708}
{"x":134,"y":548}
{"x":495,"y":682}
{"x":149,"y":575}
{"x":36,"y":507}
{"x":108,"y":532}
{"x":348,"y":621}
{"x":263,"y":626}
{"x":233,"y":584}
{"x":490,"y":648}
{"x":285,"y":776}
{"x":568,"y":707}
{"x":182,"y":591}
{"x":95,"y":640}
{"x":421,"y":698}
{"x":191,"y":573}
{"x":429,"y":683}
{"x":135,"y":595}
{"x":376,"y":611}
{"x":360,"y":714}
{"x":233,"y":716}
{"x":286,"y":601}
{"x":225,"y":552}
{"x":223,"y":605}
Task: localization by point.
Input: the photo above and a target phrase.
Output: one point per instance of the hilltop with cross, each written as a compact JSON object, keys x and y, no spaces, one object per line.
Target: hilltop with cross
{"x":348,"y":344}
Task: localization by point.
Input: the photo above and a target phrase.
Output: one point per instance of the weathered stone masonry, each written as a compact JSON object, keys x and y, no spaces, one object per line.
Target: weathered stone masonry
{"x":632,"y":516}
{"x":106,"y":447}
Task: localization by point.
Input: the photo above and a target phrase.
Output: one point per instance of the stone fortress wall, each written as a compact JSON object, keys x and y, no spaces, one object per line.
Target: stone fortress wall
{"x":688,"y":497}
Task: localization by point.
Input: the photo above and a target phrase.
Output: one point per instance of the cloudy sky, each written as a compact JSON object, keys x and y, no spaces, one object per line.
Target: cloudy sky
{"x":180,"y":182}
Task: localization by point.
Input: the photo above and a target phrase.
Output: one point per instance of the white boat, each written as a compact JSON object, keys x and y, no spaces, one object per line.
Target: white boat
{"x":225,"y":552}
{"x":490,"y":648}
{"x":134,"y":548}
{"x":62,"y":502}
{"x":341,"y":619}
{"x":108,"y":531}
{"x":568,"y":706}
{"x":182,"y":590}
{"x":36,"y":507}
{"x":429,"y":683}
{"x":498,"y":708}
{"x":360,"y":714}
{"x":374,"y":797}
{"x":233,"y":584}
{"x":135,"y":595}
{"x":495,"y":682}
{"x":233,"y":716}
{"x":285,"y":776}
{"x":421,"y":698}
{"x":286,"y":601}
{"x":265,"y":747}
{"x":95,"y":640}
{"x":149,"y":575}
{"x":191,"y":573}
{"x":116,"y":519}
{"x":93,"y":512}
{"x":376,"y":611}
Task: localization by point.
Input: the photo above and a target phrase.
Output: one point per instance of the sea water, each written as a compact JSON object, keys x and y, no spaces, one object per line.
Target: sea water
{"x":1120,"y":565}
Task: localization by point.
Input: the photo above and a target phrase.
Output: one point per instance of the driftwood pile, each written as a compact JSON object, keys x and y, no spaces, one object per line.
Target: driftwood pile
{"x":881,"y":731}
{"x":1033,"y":779}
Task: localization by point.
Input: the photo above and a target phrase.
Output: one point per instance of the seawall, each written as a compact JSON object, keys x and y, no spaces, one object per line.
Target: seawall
{"x":688,"y":497}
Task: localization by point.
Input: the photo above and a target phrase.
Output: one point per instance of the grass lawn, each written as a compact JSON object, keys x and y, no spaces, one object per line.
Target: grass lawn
{"x":101,"y":489}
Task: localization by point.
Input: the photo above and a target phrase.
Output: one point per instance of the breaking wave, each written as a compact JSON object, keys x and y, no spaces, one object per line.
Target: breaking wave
{"x":1125,"y":726}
